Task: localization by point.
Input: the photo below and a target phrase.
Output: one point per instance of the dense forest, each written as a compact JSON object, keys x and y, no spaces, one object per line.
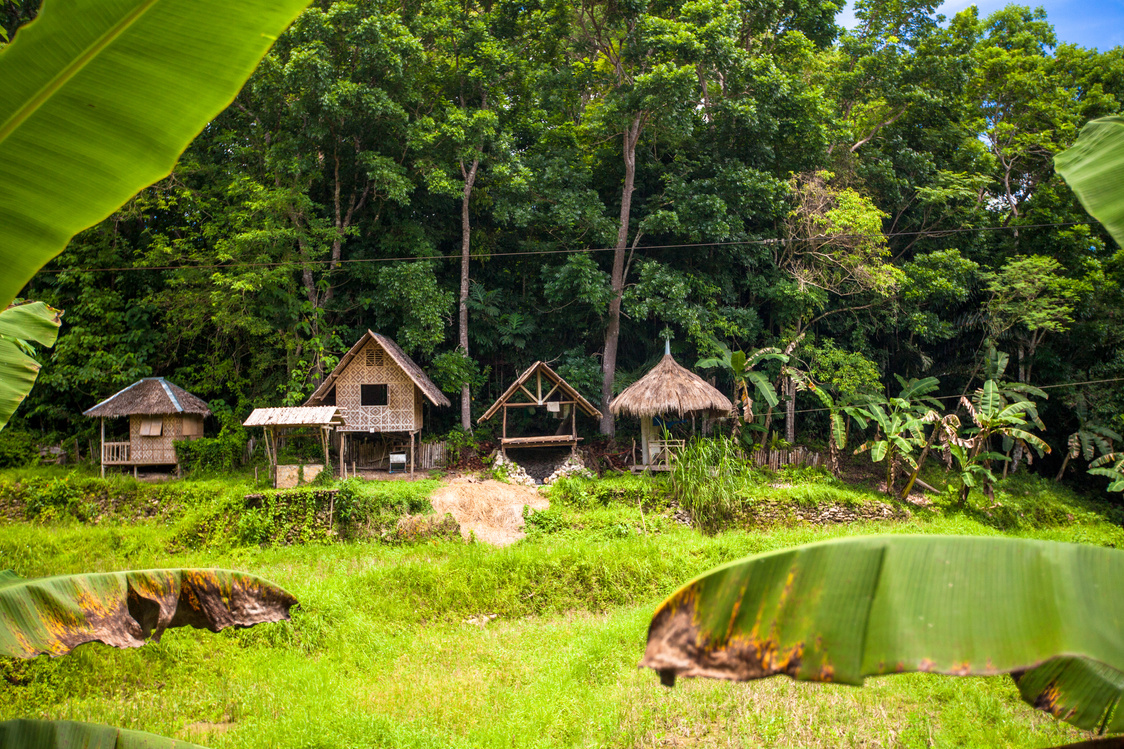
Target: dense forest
{"x":494,"y":183}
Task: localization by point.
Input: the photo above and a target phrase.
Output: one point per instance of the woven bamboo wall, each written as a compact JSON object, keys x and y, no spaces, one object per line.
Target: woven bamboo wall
{"x":372,"y":366}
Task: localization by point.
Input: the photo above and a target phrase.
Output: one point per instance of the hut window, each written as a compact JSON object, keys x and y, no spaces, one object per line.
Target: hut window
{"x":192,"y":426}
{"x":152,"y":426}
{"x":374,"y":357}
{"x":373,"y":395}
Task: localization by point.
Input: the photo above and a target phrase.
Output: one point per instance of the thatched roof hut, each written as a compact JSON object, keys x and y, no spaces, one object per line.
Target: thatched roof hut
{"x":667,"y":389}
{"x":670,"y":389}
{"x":159,"y":414}
{"x":151,"y":396}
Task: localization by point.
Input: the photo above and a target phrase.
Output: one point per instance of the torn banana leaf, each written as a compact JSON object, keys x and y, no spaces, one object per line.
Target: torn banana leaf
{"x":1050,"y":613}
{"x":54,"y":615}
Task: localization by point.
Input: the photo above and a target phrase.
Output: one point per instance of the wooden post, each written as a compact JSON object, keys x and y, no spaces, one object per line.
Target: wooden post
{"x":324,"y":441}
{"x":503,"y":434}
{"x":645,"y":435}
{"x":343,"y":468}
{"x":412,"y":452}
{"x":102,"y":447}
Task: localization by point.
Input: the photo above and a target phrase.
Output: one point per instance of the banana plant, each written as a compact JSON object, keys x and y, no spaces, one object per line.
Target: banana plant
{"x":839,"y":611}
{"x":740,"y":367}
{"x":993,"y":415}
{"x":20,"y":326}
{"x":900,"y":425}
{"x":1090,"y":439}
{"x":840,"y":414}
{"x":1111,"y":466}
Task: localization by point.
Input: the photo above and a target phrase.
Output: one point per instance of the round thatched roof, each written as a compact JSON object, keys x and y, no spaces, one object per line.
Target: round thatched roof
{"x":670,"y":389}
{"x":150,"y":396}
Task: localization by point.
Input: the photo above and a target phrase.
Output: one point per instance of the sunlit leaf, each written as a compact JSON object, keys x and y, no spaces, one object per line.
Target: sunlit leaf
{"x":36,"y":322}
{"x":846,"y":609}
{"x":1094,"y":170}
{"x":97,"y":100}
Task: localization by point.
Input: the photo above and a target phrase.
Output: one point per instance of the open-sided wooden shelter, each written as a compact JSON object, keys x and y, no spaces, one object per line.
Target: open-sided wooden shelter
{"x":159,"y":413}
{"x":378,"y":389}
{"x":277,"y":421}
{"x":541,"y":387}
{"x":668,"y":389}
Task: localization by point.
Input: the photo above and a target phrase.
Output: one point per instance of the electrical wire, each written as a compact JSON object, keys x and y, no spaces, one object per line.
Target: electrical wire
{"x":534,"y":253}
{"x":957,"y":397}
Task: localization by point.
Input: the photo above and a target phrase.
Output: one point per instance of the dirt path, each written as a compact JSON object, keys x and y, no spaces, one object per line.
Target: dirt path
{"x":490,"y":509}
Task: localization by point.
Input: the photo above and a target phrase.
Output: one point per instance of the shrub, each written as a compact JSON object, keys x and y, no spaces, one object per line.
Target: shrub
{"x":18,"y":449}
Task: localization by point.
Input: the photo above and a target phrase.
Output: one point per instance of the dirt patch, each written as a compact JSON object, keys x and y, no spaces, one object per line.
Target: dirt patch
{"x":490,"y":509}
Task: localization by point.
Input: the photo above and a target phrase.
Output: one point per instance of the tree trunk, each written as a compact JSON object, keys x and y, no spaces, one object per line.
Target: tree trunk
{"x":612,"y":332}
{"x":462,"y":309}
{"x":1061,"y":472}
{"x":790,"y":411}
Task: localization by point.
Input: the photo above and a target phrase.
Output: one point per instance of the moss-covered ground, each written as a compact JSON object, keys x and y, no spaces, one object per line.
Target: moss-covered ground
{"x":387,"y":648}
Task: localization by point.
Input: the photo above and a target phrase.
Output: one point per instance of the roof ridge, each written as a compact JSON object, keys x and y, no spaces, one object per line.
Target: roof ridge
{"x":171,"y":395}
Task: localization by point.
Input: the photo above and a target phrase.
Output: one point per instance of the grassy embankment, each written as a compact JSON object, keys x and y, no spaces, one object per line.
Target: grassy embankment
{"x":381,"y":653}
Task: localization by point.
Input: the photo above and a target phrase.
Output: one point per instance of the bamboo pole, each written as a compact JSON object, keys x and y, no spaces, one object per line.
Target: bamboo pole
{"x":102,"y":447}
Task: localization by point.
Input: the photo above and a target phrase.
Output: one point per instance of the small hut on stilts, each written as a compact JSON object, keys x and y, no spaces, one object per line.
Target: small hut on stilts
{"x":668,"y":389}
{"x":159,"y":414}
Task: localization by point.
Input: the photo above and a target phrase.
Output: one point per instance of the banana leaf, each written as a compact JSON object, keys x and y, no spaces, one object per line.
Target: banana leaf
{"x":36,"y":322}
{"x":69,"y":734}
{"x":843,"y":610}
{"x":97,"y":100}
{"x":1094,"y":170}
{"x":54,"y":615}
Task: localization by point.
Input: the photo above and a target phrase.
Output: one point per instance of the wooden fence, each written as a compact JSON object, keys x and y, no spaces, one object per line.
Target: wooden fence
{"x":776,"y":459}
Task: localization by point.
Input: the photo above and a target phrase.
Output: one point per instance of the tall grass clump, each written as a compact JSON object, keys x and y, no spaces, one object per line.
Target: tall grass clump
{"x":711,"y":481}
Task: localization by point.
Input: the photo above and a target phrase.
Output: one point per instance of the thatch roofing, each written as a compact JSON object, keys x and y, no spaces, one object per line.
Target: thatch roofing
{"x":416,"y":374}
{"x":548,"y":374}
{"x":670,"y":389}
{"x":150,"y":396}
{"x":294,"y":416}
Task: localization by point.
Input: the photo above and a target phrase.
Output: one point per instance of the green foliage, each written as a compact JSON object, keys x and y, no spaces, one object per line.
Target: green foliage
{"x":18,"y":449}
{"x":709,"y":480}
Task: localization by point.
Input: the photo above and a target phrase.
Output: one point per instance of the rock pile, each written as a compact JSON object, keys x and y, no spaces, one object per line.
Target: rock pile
{"x":513,"y":472}
{"x":573,"y":466}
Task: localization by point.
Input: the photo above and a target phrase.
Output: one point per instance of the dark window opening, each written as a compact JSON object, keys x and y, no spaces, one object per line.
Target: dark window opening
{"x":373,"y":395}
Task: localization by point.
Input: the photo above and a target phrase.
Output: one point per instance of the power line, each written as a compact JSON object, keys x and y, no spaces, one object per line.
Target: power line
{"x":534,"y":253}
{"x":957,"y":397}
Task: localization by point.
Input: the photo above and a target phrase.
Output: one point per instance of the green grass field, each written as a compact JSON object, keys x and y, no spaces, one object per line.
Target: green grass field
{"x":381,"y":651}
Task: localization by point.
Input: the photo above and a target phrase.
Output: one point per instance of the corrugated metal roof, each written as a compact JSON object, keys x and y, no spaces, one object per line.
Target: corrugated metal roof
{"x":294,"y":416}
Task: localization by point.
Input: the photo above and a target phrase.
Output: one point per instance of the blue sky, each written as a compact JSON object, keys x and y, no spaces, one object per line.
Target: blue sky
{"x":1089,"y":23}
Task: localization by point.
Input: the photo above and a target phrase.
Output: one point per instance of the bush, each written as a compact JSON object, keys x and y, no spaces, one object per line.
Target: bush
{"x":213,"y":454}
{"x":18,"y":449}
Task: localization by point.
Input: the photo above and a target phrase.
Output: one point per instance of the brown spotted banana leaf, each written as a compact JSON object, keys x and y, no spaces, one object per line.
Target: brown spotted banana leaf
{"x":1051,"y":614}
{"x":54,"y":615}
{"x":69,"y":734}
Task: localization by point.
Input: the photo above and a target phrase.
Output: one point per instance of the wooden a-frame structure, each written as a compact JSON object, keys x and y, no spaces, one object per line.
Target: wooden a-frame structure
{"x":541,"y":387}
